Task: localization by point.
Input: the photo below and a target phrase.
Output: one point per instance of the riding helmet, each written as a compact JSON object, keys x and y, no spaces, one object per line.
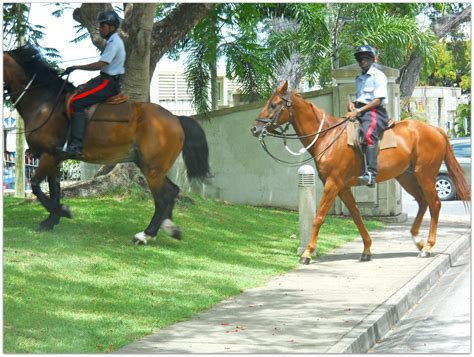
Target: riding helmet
{"x":109,"y":17}
{"x":364,"y":49}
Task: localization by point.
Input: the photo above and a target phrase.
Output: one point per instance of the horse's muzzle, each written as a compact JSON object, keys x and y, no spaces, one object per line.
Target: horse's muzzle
{"x":258,"y":130}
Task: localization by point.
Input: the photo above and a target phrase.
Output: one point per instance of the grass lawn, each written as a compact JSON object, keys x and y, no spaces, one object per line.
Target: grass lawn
{"x":85,"y":288}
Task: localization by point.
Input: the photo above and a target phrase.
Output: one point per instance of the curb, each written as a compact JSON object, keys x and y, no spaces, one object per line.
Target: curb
{"x":377,"y":323}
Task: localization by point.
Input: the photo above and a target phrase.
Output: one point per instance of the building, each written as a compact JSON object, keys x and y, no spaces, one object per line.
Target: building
{"x":437,"y":104}
{"x":169,"y":89}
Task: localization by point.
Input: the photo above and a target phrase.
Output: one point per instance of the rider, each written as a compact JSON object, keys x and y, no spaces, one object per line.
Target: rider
{"x":369,"y":107}
{"x":98,"y":89}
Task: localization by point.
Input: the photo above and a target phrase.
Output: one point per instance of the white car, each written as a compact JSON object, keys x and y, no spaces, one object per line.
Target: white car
{"x":444,"y":183}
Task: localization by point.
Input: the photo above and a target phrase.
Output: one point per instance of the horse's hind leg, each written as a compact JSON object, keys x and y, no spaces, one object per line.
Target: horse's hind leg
{"x":427,"y":184}
{"x":348,"y":198}
{"x":168,"y":225}
{"x":163,"y":197}
{"x":54,"y":194}
{"x":410,"y":184}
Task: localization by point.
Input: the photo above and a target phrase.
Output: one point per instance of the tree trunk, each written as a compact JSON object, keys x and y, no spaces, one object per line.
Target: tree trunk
{"x":137,"y":33}
{"x":20,"y":158}
{"x":122,"y":176}
{"x":410,"y":74}
{"x":20,"y":128}
{"x":169,"y":31}
{"x":214,"y":87}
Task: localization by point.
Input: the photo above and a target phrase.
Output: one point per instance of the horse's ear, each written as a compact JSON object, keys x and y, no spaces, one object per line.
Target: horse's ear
{"x":283,"y":87}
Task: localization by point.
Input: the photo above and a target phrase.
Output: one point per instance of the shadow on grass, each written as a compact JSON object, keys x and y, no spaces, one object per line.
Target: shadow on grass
{"x":83,"y":287}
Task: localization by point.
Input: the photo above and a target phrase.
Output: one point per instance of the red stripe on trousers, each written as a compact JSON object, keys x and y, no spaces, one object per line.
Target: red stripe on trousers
{"x":87,"y":93}
{"x":373,"y":116}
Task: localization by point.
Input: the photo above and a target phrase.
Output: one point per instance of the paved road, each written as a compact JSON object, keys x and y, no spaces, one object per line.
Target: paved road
{"x":440,"y":322}
{"x":448,"y":208}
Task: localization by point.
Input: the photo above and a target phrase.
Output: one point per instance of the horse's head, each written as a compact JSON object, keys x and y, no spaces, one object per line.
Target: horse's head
{"x":275,"y":113}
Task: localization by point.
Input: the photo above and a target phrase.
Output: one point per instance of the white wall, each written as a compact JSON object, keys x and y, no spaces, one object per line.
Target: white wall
{"x":438,"y":104}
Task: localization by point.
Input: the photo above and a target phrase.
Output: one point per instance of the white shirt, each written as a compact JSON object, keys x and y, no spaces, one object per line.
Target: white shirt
{"x":114,"y":54}
{"x":371,"y":85}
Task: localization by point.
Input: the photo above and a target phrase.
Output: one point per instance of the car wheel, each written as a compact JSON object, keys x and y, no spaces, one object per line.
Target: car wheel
{"x":445,"y":188}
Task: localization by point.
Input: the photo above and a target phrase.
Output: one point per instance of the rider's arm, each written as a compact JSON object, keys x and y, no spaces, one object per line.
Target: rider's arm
{"x":96,"y":66}
{"x":374,"y":103}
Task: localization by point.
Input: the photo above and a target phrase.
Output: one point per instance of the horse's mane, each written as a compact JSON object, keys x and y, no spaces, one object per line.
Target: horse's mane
{"x":32,"y":61}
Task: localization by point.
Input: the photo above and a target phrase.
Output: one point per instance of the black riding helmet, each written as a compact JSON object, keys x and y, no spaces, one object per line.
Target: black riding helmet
{"x":365,"y":49}
{"x":109,"y":17}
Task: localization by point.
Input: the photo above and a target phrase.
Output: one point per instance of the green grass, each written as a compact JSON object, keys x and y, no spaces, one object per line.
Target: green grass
{"x":85,"y":288}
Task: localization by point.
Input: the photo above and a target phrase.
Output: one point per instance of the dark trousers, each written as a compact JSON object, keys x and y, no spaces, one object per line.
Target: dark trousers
{"x":372,"y":124}
{"x":97,"y":90}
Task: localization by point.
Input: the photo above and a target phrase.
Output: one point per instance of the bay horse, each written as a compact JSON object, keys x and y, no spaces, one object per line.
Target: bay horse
{"x":414,"y":163}
{"x":151,"y":137}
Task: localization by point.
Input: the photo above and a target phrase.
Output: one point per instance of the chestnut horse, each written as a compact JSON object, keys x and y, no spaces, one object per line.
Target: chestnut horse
{"x":151,"y":137}
{"x":414,"y":163}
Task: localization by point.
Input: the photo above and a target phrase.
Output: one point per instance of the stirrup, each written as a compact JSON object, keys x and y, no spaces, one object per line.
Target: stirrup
{"x":367,"y":179}
{"x":71,"y":153}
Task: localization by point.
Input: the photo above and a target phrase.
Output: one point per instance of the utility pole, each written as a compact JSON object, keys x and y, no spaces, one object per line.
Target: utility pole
{"x":20,"y":129}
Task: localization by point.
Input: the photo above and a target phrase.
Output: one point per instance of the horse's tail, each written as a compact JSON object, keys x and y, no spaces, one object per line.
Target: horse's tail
{"x":195,"y":149}
{"x":456,"y":172}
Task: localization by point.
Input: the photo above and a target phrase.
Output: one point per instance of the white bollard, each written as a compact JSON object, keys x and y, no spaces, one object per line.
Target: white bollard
{"x":306,"y":206}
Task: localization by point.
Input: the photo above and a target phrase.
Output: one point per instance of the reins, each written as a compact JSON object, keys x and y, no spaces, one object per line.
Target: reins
{"x":25,"y":90}
{"x":284,"y":136}
{"x":7,"y":94}
{"x":52,"y":110}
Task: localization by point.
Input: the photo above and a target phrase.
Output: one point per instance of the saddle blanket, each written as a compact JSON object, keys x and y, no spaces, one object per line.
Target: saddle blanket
{"x":388,"y":137}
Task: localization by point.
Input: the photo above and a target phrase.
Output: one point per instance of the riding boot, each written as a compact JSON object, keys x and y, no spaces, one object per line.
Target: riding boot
{"x":370,"y":174}
{"x":78,"y":128}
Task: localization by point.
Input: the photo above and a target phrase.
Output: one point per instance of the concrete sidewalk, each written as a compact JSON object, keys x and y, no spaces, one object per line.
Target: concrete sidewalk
{"x":334,"y":305}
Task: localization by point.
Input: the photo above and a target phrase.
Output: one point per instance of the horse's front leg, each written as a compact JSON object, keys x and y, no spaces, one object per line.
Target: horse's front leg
{"x":48,"y":167}
{"x":331,"y":189}
{"x":54,"y":194}
{"x":348,"y":198}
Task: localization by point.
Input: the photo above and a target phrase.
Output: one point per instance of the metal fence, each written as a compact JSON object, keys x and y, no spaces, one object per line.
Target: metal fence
{"x":69,"y":173}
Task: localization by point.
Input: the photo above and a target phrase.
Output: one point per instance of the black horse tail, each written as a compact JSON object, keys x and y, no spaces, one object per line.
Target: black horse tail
{"x":195,"y":149}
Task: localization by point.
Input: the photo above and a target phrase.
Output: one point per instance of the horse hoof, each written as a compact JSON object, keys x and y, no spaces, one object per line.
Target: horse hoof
{"x":44,"y":228}
{"x":424,"y":254}
{"x":171,"y":229}
{"x":176,"y":234}
{"x":365,"y":257}
{"x":419,"y":242}
{"x":142,"y":238}
{"x":137,"y":241}
{"x":305,"y":260}
{"x":65,"y":211}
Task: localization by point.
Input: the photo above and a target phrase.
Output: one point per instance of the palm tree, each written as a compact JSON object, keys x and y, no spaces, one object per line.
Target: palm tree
{"x":328,"y":34}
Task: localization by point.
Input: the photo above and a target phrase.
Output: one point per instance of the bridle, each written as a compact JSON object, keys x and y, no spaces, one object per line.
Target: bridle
{"x":274,"y":120}
{"x":29,"y":87}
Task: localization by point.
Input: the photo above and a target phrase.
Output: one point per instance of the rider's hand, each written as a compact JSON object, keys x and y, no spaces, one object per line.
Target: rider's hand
{"x":69,"y":69}
{"x":352,"y":115}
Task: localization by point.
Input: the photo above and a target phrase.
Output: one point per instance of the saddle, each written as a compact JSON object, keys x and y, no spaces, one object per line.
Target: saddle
{"x":387,"y":141}
{"x":119,"y":103}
